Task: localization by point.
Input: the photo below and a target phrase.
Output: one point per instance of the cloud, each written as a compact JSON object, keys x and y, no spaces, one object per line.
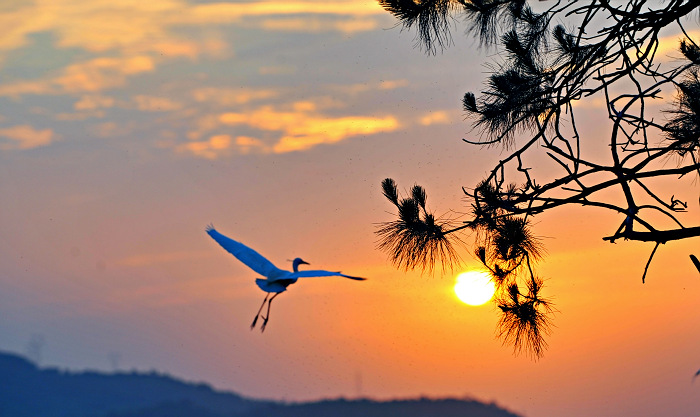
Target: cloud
{"x":25,"y":87}
{"x":111,"y":129}
{"x":81,"y":115}
{"x":304,"y":106}
{"x":88,"y":106}
{"x":667,"y":49}
{"x":25,"y":137}
{"x":101,"y":73}
{"x":300,"y":127}
{"x":392,"y":84}
{"x":297,"y":129}
{"x":93,"y":102}
{"x":364,"y":87}
{"x":228,"y":12}
{"x":315,"y":131}
{"x":93,"y":105}
{"x":317,"y":25}
{"x":155,"y":104}
{"x":231,"y":96}
{"x":212,"y":148}
{"x":131,"y":37}
{"x":139,"y":27}
{"x":131,"y":26}
{"x":221,"y":145}
{"x":89,"y":76}
{"x":436,"y":117}
{"x":669,"y":46}
{"x":247,"y":144}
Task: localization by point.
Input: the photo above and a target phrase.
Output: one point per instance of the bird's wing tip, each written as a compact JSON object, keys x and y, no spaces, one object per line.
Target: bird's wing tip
{"x":355,"y":278}
{"x":209,"y":227}
{"x":351,"y":277}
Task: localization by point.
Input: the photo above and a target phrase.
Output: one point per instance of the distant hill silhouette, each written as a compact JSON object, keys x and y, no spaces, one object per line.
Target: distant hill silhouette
{"x":422,"y":407}
{"x":27,"y":391}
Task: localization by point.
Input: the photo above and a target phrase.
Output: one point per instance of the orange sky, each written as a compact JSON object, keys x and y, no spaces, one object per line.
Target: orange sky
{"x":126,"y":127}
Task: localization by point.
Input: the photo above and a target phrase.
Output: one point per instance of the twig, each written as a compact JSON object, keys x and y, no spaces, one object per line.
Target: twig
{"x":646,"y":268}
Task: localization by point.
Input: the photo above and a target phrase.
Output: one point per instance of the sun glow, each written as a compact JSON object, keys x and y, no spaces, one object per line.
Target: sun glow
{"x":474,"y":287}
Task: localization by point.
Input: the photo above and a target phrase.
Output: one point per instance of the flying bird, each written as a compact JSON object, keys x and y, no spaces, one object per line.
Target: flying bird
{"x":275,"y":280}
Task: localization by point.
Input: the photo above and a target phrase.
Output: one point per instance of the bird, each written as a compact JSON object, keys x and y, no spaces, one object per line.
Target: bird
{"x":275,"y":280}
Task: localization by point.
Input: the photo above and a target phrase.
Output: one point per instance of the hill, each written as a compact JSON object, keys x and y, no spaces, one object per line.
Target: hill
{"x":29,"y":391}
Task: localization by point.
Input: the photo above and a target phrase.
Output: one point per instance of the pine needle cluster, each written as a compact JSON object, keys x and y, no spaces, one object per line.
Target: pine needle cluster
{"x":416,"y":239}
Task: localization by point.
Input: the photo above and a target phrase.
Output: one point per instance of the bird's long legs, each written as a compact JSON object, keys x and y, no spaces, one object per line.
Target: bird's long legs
{"x":255,"y":320}
{"x":267,"y":315}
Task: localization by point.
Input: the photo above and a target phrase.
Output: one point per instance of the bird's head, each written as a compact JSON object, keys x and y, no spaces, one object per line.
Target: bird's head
{"x":296,"y":262}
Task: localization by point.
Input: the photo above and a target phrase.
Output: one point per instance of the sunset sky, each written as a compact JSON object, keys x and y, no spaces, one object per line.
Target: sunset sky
{"x":126,"y":127}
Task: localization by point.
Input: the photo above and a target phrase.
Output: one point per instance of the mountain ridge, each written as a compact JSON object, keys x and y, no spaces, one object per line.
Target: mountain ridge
{"x":29,"y":391}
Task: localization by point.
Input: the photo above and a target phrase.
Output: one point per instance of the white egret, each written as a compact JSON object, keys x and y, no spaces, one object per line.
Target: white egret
{"x":276,"y":280}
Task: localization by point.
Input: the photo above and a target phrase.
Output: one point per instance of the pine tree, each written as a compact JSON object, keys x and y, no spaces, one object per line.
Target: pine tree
{"x":567,"y":52}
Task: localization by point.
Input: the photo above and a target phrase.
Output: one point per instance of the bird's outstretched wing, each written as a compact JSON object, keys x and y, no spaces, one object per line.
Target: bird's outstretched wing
{"x":321,"y":273}
{"x":248,"y":256}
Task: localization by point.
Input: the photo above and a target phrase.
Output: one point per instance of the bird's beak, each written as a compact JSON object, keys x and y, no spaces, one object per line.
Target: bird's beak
{"x":304,"y":262}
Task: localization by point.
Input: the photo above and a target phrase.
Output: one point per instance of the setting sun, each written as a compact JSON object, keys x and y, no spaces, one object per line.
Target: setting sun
{"x":474,"y":287}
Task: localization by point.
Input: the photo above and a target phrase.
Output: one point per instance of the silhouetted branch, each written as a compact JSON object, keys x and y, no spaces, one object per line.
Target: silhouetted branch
{"x":528,"y":106}
{"x":695,"y":262}
{"x":646,"y":267}
{"x":661,"y":236}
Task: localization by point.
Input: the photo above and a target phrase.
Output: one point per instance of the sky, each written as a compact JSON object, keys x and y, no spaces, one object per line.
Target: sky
{"x":126,"y":127}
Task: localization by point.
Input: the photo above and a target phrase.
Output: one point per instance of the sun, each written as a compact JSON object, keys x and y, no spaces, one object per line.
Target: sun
{"x":474,"y":287}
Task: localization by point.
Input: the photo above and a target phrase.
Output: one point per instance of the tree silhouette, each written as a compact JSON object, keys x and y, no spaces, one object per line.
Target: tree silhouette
{"x":602,"y":51}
